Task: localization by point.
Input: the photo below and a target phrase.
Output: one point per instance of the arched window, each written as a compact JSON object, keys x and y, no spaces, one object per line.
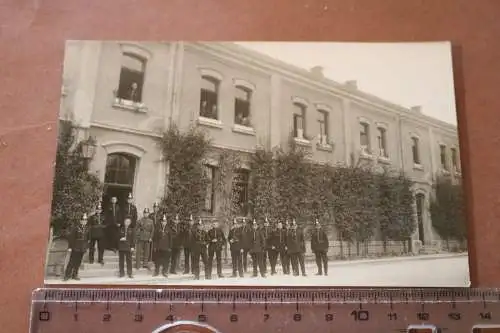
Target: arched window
{"x":119,"y":177}
{"x":420,"y":203}
{"x":209,"y":98}
{"x":131,"y":83}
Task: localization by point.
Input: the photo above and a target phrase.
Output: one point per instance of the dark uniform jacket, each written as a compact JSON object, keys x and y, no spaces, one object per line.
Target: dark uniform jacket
{"x":145,"y":229}
{"x":278,"y":239}
{"x":78,"y":238}
{"x":257,"y":241}
{"x":186,"y":234}
{"x":130,"y":211}
{"x":235,"y":239}
{"x":294,"y":241}
{"x":199,"y":239}
{"x":217,"y":235}
{"x":113,"y":215}
{"x":163,"y":237}
{"x":96,"y":226}
{"x":129,"y":242}
{"x":176,"y":231}
{"x":268,"y":233}
{"x":319,"y":241}
{"x":246,"y":241}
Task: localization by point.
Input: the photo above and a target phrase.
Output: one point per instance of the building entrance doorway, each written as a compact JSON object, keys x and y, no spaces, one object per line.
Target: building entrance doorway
{"x":420,"y":203}
{"x":119,"y":178}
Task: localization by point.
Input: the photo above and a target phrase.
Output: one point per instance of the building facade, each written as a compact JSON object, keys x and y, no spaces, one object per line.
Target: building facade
{"x":126,"y":94}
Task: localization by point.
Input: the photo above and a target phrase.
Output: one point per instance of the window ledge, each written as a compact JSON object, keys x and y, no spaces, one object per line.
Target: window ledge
{"x":328,"y":147}
{"x":215,"y":123}
{"x":384,"y":159}
{"x":124,"y":104}
{"x":418,"y":166}
{"x":302,"y":142}
{"x":243,"y":129}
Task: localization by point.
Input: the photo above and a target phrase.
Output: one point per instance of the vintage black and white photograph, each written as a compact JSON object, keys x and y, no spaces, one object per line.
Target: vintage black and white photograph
{"x":257,"y":164}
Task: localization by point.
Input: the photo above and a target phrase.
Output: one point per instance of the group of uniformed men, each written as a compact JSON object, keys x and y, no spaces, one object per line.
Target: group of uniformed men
{"x":153,"y":237}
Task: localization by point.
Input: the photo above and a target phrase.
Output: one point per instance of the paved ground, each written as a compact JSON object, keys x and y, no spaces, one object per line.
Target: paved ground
{"x":420,"y":271}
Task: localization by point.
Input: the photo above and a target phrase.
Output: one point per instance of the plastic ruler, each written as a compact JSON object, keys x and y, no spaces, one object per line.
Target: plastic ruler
{"x":260,"y":310}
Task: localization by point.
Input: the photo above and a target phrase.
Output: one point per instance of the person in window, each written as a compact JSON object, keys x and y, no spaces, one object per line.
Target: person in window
{"x":257,"y":248}
{"x":199,"y":250}
{"x":78,"y":242}
{"x":216,"y":239}
{"x":112,"y":220}
{"x":278,"y":248}
{"x":126,"y":247}
{"x":96,"y":236}
{"x":176,"y":234}
{"x":133,"y":93}
{"x":239,"y":119}
{"x":235,"y":238}
{"x":319,"y":246}
{"x":130,"y":210}
{"x":144,"y":232}
{"x":163,"y":247}
{"x":267,"y":231}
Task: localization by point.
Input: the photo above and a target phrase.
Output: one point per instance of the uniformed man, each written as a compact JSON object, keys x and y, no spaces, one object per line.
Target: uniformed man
{"x":126,"y":247}
{"x":216,"y":241}
{"x":176,"y":232}
{"x":163,"y":247}
{"x":235,"y":237}
{"x":130,"y":210}
{"x":267,"y":231}
{"x":293,"y":244}
{"x":156,"y":217}
{"x":199,"y":250}
{"x":187,"y":231}
{"x":112,"y":220}
{"x":278,"y":248}
{"x":78,"y":242}
{"x":144,"y":232}
{"x":319,"y":246}
{"x":257,"y":248}
{"x":287,"y":259}
{"x":302,"y":253}
{"x":96,"y":236}
{"x":246,"y":230}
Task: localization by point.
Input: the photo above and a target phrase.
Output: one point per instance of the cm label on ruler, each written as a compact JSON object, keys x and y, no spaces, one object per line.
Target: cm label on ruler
{"x":270,"y":310}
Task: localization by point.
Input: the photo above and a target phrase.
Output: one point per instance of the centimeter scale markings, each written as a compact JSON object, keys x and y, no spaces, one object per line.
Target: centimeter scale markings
{"x":266,"y":310}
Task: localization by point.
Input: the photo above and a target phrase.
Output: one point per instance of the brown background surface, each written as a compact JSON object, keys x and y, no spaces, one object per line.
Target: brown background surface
{"x":32,"y":39}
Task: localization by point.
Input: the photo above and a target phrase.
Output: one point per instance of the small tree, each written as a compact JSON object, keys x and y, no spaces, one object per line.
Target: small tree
{"x":75,"y":191}
{"x":447,"y":212}
{"x":187,"y":182}
{"x":229,"y":162}
{"x":263,"y":194}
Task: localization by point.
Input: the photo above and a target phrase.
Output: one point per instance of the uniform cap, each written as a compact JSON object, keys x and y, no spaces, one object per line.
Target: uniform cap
{"x":146,"y":210}
{"x":84,"y":217}
{"x":130,"y":195}
{"x":164,"y":217}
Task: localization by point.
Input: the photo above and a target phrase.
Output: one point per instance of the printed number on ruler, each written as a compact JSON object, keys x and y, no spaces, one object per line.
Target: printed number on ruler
{"x":265,"y":310}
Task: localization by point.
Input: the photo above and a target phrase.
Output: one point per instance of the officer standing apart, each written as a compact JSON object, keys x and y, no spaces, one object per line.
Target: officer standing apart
{"x":78,"y":242}
{"x":319,"y":246}
{"x":257,"y":248}
{"x":234,"y":237}
{"x":144,"y":231}
{"x":216,"y":243}
{"x":96,"y":236}
{"x":163,"y":247}
{"x":126,"y":247}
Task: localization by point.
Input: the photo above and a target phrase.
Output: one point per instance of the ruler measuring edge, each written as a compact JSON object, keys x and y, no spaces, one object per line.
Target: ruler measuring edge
{"x":262,"y":310}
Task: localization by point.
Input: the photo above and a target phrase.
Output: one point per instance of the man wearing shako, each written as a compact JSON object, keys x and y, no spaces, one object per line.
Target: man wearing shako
{"x":216,"y":241}
{"x":144,"y":232}
{"x":176,"y":232}
{"x":78,"y":242}
{"x":126,"y":247}
{"x":319,"y":246}
{"x":235,"y":237}
{"x":199,"y":250}
{"x":257,"y":248}
{"x":163,"y":247}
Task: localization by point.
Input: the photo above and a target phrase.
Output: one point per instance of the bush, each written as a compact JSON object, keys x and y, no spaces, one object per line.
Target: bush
{"x":75,"y":191}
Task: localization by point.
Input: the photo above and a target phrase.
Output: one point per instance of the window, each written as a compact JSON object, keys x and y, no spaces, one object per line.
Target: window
{"x":420,"y":203}
{"x":240,"y":191}
{"x":323,"y":127}
{"x":415,"y":149}
{"x":299,"y":121}
{"x":131,"y":78}
{"x":364,"y":136}
{"x":454,"y":160}
{"x":210,"y":195}
{"x":242,"y":101}
{"x":443,"y":157}
{"x":209,"y":97}
{"x":120,"y":169}
{"x":382,"y":142}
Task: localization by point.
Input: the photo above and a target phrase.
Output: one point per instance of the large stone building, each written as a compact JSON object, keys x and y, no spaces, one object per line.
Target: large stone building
{"x":126,"y":94}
